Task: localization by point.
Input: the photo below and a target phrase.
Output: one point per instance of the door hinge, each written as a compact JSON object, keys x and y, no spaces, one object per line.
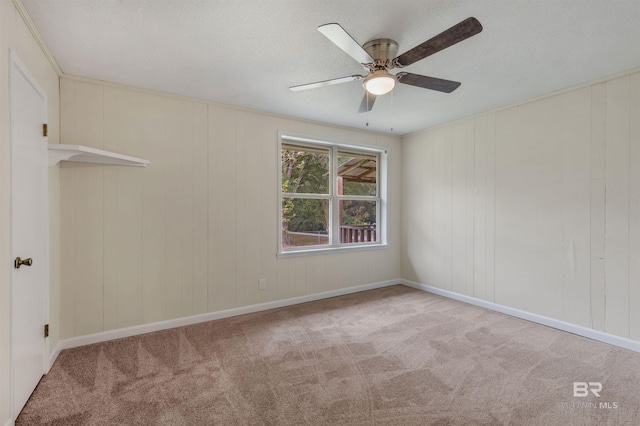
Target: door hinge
{"x":45,"y":130}
{"x":46,"y":330}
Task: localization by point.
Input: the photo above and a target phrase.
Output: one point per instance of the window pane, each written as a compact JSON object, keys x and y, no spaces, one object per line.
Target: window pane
{"x":357,"y":221}
{"x":305,"y":222}
{"x":305,"y":170}
{"x":357,"y":174}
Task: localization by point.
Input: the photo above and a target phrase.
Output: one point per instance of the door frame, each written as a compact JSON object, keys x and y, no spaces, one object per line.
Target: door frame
{"x":18,"y":67}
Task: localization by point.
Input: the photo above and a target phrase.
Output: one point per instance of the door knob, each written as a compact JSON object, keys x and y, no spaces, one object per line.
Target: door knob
{"x":19,"y":262}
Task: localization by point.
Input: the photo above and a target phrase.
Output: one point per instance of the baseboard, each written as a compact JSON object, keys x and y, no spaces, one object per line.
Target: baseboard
{"x":539,"y":319}
{"x":53,"y":356}
{"x":10,"y":422}
{"x":210,"y":316}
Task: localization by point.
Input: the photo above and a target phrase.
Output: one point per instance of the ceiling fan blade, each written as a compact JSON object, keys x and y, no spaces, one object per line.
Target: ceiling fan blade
{"x":459,"y":32}
{"x":425,"y":82}
{"x":326,"y":83}
{"x":344,"y":41}
{"x":367,"y":104}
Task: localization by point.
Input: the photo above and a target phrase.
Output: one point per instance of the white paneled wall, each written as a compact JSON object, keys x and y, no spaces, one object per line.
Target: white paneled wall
{"x":195,"y":231}
{"x":536,"y":207}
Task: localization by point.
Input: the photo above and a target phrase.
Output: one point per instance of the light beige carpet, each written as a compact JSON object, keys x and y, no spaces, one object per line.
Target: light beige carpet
{"x":393,"y":356}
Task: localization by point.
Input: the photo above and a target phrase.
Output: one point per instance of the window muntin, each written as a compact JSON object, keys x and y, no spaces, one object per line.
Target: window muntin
{"x":330,"y":195}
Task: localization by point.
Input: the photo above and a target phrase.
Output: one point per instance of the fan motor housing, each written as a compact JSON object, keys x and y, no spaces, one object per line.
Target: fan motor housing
{"x":381,"y":49}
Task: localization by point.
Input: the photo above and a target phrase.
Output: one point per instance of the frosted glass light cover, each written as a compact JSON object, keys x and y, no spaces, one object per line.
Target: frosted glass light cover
{"x":380,"y":83}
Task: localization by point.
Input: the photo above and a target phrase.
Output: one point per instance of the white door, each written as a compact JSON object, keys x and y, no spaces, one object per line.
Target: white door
{"x":29,"y":232}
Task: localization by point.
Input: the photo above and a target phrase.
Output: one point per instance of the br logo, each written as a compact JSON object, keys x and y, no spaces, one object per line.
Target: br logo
{"x":581,"y":389}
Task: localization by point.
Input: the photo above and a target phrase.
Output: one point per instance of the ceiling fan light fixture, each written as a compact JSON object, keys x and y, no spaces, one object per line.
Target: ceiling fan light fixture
{"x":380,"y":82}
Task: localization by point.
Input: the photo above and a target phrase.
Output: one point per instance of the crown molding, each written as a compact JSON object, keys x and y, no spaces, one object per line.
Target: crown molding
{"x":37,"y":36}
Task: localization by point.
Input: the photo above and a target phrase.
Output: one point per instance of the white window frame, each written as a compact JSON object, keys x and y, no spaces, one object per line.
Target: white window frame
{"x":334,"y":205}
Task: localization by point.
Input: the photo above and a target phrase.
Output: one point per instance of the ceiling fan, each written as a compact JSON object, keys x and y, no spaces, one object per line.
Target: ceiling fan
{"x":379,"y":56}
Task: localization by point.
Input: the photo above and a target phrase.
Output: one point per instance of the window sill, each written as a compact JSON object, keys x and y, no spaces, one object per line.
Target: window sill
{"x":330,"y":250}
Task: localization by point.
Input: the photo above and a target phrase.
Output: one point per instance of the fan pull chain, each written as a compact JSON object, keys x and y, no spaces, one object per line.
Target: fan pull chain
{"x":367,"y":95}
{"x":392,"y":110}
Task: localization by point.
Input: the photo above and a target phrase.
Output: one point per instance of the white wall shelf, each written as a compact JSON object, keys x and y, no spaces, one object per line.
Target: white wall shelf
{"x":84,"y":154}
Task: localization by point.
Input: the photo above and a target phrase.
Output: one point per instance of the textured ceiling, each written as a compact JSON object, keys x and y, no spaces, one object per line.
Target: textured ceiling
{"x":248,"y":52}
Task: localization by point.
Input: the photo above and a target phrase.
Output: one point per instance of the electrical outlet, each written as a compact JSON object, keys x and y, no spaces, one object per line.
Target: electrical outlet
{"x":262,"y":283}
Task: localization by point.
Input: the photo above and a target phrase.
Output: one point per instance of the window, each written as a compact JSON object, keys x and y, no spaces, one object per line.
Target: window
{"x":331,"y":195}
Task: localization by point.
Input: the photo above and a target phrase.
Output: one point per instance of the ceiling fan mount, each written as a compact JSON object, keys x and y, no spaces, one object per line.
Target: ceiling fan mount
{"x":378,"y":56}
{"x":382,"y":50}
